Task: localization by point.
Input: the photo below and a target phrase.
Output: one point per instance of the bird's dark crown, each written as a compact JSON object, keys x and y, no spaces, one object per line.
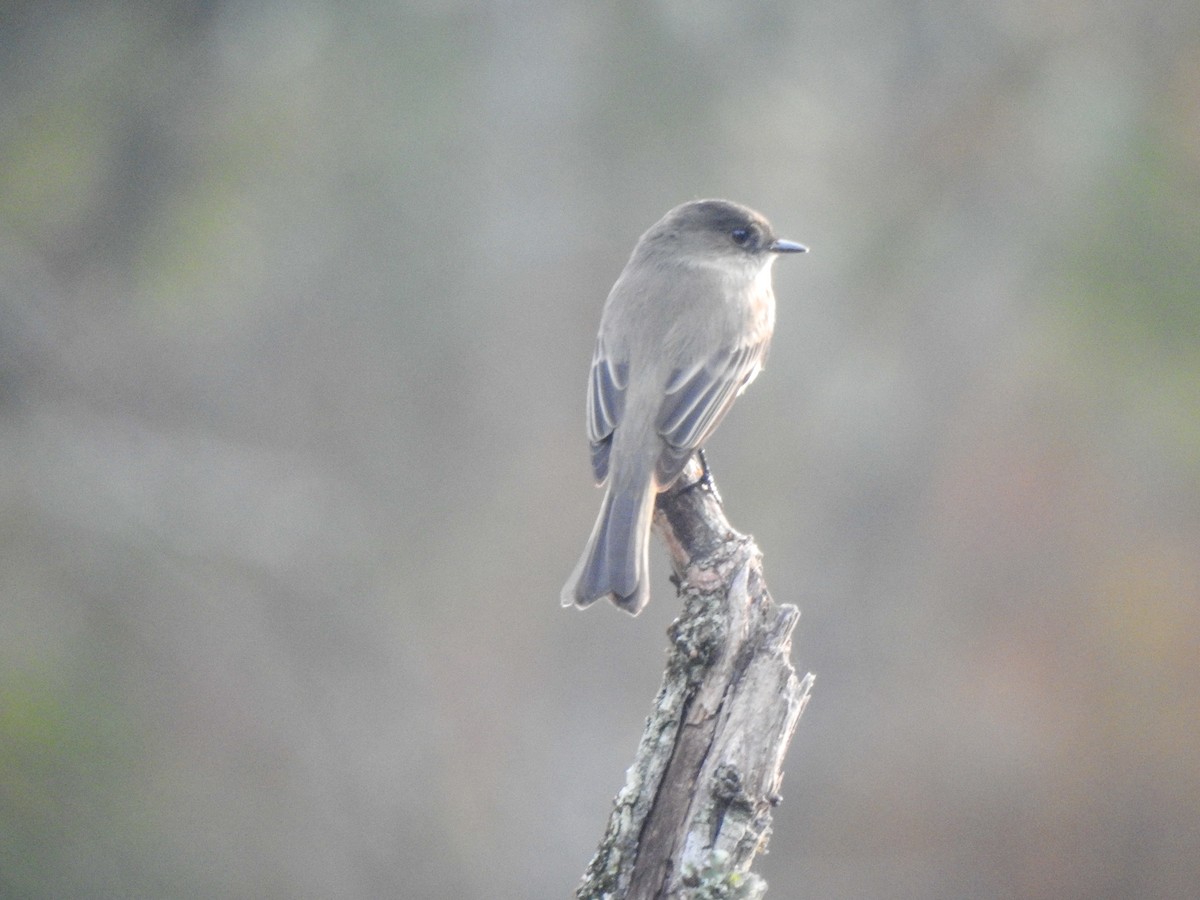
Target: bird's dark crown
{"x":733,"y":225}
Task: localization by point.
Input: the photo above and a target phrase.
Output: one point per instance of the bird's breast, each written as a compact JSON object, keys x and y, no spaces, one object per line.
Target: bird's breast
{"x":760,"y":306}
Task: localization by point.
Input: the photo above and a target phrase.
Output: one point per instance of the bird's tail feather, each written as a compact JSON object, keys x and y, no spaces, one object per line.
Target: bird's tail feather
{"x":615,"y":562}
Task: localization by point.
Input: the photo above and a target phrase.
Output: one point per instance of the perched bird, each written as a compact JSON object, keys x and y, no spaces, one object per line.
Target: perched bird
{"x":684,"y":330}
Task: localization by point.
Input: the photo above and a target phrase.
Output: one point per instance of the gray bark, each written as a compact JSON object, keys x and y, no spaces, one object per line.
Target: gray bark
{"x":696,"y":805}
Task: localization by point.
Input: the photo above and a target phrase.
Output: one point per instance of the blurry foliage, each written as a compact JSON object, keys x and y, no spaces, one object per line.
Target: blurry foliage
{"x":1133,"y":276}
{"x":1138,"y":265}
{"x":63,"y":757}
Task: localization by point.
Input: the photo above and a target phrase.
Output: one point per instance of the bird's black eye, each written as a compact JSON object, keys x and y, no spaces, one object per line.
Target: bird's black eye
{"x":741,"y":236}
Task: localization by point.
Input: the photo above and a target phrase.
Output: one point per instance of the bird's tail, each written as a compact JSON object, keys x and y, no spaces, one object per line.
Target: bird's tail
{"x":615,"y":562}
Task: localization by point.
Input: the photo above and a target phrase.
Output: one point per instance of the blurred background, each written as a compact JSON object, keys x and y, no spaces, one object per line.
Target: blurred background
{"x":297,"y":302}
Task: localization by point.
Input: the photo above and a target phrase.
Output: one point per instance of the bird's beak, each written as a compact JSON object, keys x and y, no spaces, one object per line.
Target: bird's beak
{"x":782,"y":246}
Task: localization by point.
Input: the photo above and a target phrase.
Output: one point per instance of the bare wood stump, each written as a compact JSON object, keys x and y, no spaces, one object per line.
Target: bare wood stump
{"x":696,"y":805}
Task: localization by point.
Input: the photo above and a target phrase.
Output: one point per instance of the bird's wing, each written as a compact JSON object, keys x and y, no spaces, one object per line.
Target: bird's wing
{"x":697,"y":399}
{"x":605,"y":405}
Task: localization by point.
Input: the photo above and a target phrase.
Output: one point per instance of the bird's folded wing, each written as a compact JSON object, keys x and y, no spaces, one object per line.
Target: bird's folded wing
{"x":605,"y":404}
{"x":697,"y":399}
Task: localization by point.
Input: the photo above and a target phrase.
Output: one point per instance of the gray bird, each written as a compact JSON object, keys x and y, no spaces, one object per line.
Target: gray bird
{"x":684,"y":330}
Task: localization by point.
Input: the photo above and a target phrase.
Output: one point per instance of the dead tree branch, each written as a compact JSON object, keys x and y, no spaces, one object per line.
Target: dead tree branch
{"x":696,"y":805}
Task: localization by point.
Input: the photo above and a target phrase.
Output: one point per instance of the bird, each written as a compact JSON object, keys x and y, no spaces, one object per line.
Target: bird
{"x":685,"y":329}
